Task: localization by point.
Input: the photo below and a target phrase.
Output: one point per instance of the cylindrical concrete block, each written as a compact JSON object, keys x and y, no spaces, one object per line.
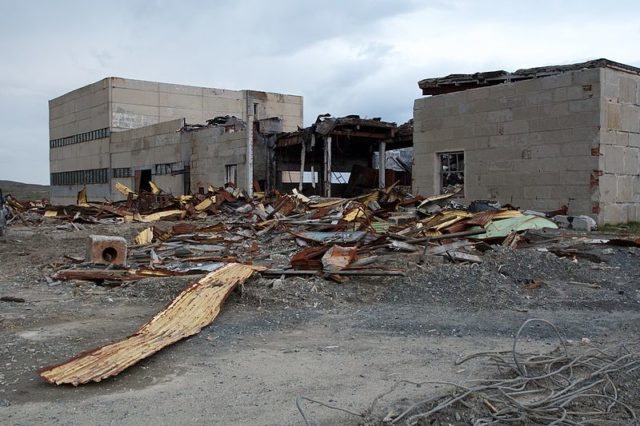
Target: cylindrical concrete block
{"x":106,"y":249}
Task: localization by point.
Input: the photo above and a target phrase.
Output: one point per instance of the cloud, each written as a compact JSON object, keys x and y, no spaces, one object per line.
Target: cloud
{"x":358,"y":57}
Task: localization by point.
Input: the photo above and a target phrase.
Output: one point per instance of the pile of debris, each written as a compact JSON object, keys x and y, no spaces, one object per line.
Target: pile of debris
{"x":228,"y":236}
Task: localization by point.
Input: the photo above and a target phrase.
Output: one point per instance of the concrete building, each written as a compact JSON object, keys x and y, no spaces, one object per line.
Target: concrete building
{"x":538,"y":138}
{"x":123,"y":129}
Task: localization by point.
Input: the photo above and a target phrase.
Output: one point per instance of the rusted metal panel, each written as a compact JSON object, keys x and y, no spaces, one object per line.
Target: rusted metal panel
{"x":193,"y":309}
{"x":338,"y":257}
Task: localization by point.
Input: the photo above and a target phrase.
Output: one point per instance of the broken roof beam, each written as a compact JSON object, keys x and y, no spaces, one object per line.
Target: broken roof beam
{"x":459,"y":82}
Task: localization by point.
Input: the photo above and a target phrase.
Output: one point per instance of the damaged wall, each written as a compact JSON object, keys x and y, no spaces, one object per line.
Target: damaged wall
{"x":527,"y":143}
{"x":148,"y":148}
{"x":82,"y":121}
{"x":619,"y":176}
{"x":211,"y":151}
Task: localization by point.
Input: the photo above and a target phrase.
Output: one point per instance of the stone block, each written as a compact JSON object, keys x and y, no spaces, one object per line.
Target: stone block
{"x":477,"y":94}
{"x":539,"y":98}
{"x":586,"y":76}
{"x":545,"y":150}
{"x":574,"y":149}
{"x":630,"y":118}
{"x":607,"y":188}
{"x":107,"y":250}
{"x":624,"y":189}
{"x":560,"y":94}
{"x":632,"y":161}
{"x":628,"y":90}
{"x":582,"y":105}
{"x":613,"y":158}
{"x":613,"y":112}
{"x":556,"y":81}
{"x":615,"y":213}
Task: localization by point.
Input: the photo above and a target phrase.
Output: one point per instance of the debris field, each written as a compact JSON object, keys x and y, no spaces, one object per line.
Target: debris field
{"x":332,"y":310}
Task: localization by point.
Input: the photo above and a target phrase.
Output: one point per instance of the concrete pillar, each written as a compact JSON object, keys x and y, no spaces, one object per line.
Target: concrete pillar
{"x":249,"y":156}
{"x":303,"y":150}
{"x":327,"y":166}
{"x":382,"y":161}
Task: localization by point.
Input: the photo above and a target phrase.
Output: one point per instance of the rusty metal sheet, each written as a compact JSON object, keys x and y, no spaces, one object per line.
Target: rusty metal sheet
{"x":308,"y":258}
{"x":338,"y":258}
{"x":194,"y":308}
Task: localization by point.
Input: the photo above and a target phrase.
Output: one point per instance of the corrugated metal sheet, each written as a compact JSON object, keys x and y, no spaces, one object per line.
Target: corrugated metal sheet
{"x":193,"y":309}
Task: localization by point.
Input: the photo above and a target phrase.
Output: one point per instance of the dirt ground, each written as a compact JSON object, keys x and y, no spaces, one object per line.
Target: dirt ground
{"x":277,"y":339}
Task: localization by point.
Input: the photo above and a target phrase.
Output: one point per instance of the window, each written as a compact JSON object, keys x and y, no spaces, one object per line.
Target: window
{"x":80,"y":137}
{"x":80,"y":177}
{"x":121,"y":172}
{"x":169,"y":168}
{"x":231,"y":173}
{"x":451,"y":171}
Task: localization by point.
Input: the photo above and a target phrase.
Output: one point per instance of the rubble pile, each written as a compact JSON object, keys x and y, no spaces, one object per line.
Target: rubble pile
{"x":291,"y":234}
{"x":281,"y":235}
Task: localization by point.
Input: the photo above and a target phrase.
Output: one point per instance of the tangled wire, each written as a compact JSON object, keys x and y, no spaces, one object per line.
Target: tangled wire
{"x":557,"y":388}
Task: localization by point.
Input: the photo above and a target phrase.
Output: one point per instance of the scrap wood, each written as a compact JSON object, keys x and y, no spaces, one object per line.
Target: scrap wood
{"x":205,"y":204}
{"x":123,"y":189}
{"x":366,"y":272}
{"x":576,"y":254}
{"x":144,"y":237}
{"x":164,"y":215}
{"x":460,"y":256}
{"x":82,"y":197}
{"x":402,"y":246}
{"x":111,"y":274}
{"x":446,"y":236}
{"x":441,"y":250}
{"x":327,"y":237}
{"x":194,"y":308}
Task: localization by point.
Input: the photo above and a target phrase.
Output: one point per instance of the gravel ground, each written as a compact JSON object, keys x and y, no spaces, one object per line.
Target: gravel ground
{"x":279,"y":338}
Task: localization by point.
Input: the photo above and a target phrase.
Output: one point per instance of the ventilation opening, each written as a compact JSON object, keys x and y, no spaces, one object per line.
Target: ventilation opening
{"x":109,"y":254}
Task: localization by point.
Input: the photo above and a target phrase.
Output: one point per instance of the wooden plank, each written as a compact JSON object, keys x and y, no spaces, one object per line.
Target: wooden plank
{"x":194,"y":308}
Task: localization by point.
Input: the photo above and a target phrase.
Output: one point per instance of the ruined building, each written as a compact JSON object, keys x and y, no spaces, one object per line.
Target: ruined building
{"x":134,"y":132}
{"x":536,"y":138}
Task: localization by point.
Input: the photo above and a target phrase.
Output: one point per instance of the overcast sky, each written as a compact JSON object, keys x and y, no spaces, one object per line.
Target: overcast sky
{"x":345,"y":57}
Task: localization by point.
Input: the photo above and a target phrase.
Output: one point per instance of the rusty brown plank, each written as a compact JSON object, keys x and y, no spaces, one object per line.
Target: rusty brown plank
{"x":194,"y":308}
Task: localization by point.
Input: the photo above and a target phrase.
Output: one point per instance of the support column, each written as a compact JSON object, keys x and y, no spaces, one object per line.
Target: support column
{"x":303,"y":150}
{"x":249,"y":157}
{"x":327,"y":166}
{"x":382,"y":163}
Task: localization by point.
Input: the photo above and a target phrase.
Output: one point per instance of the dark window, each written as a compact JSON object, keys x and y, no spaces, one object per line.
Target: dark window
{"x":451,"y":171}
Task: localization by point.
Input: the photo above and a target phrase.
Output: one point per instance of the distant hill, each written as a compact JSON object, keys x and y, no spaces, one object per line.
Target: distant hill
{"x":24,"y":191}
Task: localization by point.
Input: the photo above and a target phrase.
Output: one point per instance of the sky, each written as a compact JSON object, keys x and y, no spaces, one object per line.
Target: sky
{"x":360,"y":57}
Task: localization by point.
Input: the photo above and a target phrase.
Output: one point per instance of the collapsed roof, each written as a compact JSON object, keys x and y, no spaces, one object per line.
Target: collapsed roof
{"x":350,"y":126}
{"x":459,"y":82}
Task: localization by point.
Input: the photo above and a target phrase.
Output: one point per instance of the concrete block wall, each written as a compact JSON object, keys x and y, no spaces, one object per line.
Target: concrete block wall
{"x":124,"y":104}
{"x":81,"y":156}
{"x":137,"y":103}
{"x":68,"y":194}
{"x":288,"y":108}
{"x":211,"y":151}
{"x":79,"y":111}
{"x":145,"y":147}
{"x":619,"y":180}
{"x":527,"y":143}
